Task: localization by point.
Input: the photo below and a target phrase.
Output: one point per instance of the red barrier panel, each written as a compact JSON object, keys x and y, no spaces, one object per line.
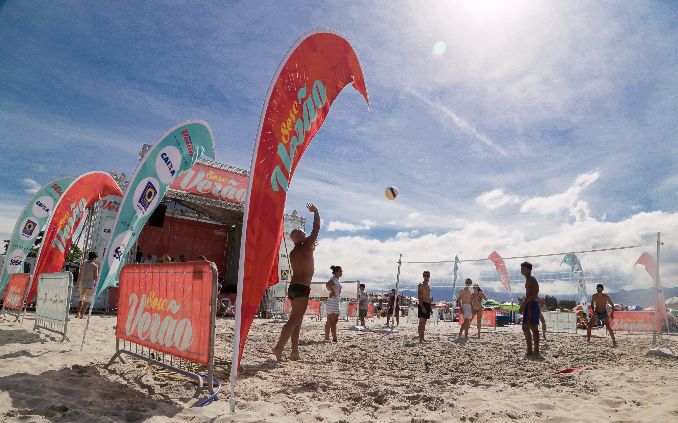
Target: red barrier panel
{"x":16,"y":291}
{"x":353,"y":310}
{"x":633,"y":321}
{"x":313,"y":308}
{"x":112,"y":297}
{"x":169,"y":307}
{"x":489,"y":319}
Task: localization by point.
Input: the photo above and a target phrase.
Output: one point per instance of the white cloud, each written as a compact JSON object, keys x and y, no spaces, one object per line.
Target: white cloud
{"x":32,"y":186}
{"x":374,"y":261}
{"x":496,"y":198}
{"x":337,"y":226}
{"x":562,"y":201}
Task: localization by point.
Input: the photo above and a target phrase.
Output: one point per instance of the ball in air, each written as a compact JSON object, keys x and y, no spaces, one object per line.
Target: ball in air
{"x":391,"y":193}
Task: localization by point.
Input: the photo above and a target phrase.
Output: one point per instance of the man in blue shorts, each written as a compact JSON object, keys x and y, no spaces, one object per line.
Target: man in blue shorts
{"x":529,"y":307}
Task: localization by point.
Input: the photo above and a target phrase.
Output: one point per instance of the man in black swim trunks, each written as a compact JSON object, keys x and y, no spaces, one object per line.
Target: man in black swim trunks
{"x":301,"y":261}
{"x":599,"y":301}
{"x":424,"y":308}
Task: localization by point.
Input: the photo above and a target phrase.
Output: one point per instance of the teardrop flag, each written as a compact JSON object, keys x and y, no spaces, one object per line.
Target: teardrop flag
{"x":86,"y":190}
{"x":308,"y":80}
{"x":31,"y":221}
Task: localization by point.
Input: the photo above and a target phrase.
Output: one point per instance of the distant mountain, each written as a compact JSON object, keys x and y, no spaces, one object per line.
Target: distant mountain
{"x":641,"y":297}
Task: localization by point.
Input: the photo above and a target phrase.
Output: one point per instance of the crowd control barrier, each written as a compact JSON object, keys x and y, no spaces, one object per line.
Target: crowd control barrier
{"x":52,"y":302}
{"x":560,"y":321}
{"x":312,"y":309}
{"x":353,"y":310}
{"x":15,"y":295}
{"x":488,"y":319}
{"x":166,"y":316}
{"x":634,"y":321}
{"x":413,"y":315}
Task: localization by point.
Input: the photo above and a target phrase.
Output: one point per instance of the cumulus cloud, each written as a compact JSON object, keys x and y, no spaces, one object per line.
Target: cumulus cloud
{"x":496,"y":198}
{"x":375,"y":261}
{"x":565,"y":200}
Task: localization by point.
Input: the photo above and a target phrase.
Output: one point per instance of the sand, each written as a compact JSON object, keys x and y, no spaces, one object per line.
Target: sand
{"x":364,"y":377}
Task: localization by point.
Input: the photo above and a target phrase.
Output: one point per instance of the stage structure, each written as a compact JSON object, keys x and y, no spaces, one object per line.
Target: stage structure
{"x":201,"y":215}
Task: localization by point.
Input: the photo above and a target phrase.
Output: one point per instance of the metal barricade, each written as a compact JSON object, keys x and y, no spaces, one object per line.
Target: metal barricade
{"x":52,"y":302}
{"x":166,"y":316}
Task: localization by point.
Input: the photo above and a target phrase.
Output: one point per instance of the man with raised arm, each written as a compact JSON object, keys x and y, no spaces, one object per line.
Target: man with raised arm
{"x":301,"y":260}
{"x":424,"y":307}
{"x":530,"y":309}
{"x":599,"y":301}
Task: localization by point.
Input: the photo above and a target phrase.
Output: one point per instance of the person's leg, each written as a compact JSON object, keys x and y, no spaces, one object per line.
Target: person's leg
{"x":592,"y":321}
{"x":295,"y":340}
{"x":479,"y":317}
{"x":609,"y":329}
{"x":535,"y":338}
{"x":296,"y":316}
{"x":83,"y":309}
{"x":543,"y":324}
{"x":420,"y":329}
{"x":79,"y":309}
{"x":328,"y":326}
{"x":335,"y":319}
{"x":528,"y":338}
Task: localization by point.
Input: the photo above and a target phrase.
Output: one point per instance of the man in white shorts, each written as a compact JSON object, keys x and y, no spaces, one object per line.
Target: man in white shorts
{"x":87,"y":279}
{"x":464,"y":301}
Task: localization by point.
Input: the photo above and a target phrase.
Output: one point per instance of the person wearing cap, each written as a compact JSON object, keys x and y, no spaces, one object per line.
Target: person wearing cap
{"x":424,"y":306}
{"x":477,"y":298}
{"x":464,"y":302}
{"x":529,"y":307}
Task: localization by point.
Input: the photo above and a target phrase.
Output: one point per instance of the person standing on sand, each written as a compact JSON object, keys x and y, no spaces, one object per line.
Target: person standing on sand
{"x":363,"y":304}
{"x":333,"y":303}
{"x":89,"y":274}
{"x":464,"y":302}
{"x":530,"y":309}
{"x":424,"y":306}
{"x":301,"y":261}
{"x":393,"y":309}
{"x":599,"y":301}
{"x":477,"y":298}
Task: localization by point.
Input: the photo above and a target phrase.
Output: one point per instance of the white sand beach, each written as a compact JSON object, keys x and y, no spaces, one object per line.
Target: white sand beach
{"x":364,"y":377}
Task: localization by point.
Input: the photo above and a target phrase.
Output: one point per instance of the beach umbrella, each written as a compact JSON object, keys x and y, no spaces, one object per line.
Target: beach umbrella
{"x":672,"y":302}
{"x":492,"y":303}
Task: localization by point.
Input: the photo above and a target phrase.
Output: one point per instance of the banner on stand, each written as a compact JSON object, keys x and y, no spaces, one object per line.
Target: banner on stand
{"x":31,"y":221}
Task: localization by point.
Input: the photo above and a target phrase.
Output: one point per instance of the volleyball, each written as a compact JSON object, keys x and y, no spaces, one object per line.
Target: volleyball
{"x":391,"y":193}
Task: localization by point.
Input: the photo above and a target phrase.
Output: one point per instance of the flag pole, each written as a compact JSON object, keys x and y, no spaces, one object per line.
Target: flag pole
{"x":396,"y":306}
{"x":656,"y":293}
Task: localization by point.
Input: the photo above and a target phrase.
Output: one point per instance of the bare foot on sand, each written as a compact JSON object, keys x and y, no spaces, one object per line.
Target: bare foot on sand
{"x":277,"y":353}
{"x":294,"y":356}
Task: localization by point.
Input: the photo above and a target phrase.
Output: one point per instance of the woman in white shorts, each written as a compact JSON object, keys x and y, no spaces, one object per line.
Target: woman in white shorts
{"x":333,"y":303}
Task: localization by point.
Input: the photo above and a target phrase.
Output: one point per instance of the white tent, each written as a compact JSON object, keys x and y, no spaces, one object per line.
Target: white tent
{"x":672,"y":302}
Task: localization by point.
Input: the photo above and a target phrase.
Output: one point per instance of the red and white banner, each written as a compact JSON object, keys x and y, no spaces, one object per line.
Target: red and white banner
{"x":313,"y":308}
{"x":169,"y":307}
{"x":68,"y":212}
{"x":212,"y":182}
{"x":489,"y":318}
{"x":650,"y":265}
{"x":501,"y":270}
{"x":633,"y":321}
{"x":353,"y":310}
{"x":16,"y":291}
{"x":309,"y":79}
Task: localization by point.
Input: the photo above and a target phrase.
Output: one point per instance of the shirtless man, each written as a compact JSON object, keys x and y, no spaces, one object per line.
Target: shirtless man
{"x":529,"y":307}
{"x":301,"y":260}
{"x":424,"y":307}
{"x":464,"y":302}
{"x":393,"y":309}
{"x":599,"y":301}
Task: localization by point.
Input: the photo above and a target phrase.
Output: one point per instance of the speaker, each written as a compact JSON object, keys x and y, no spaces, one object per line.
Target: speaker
{"x":158,"y":217}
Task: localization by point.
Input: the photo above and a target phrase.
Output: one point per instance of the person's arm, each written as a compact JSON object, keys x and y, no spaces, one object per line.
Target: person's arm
{"x":330,"y":287}
{"x":609,"y":300}
{"x":96,"y":273}
{"x":316,"y":223}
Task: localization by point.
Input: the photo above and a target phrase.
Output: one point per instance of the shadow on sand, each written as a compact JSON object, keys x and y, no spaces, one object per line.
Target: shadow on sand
{"x":19,"y":336}
{"x":80,"y":393}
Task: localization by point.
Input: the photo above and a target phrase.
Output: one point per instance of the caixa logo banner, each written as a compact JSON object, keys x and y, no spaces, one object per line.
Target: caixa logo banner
{"x":174,"y":153}
{"x":28,"y":225}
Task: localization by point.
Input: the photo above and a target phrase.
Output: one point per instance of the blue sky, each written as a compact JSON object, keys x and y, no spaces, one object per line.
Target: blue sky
{"x":517,"y":126}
